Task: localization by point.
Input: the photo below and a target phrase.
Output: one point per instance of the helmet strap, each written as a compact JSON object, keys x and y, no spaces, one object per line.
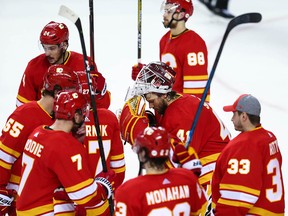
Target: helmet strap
{"x":177,"y":20}
{"x":63,"y":54}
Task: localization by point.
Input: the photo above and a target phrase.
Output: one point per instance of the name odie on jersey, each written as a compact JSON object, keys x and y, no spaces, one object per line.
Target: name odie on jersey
{"x":34,"y":147}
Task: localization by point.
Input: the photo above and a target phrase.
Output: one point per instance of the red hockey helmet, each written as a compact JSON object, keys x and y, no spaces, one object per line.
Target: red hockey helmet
{"x":67,"y":103}
{"x":155,"y":140}
{"x":60,"y":77}
{"x":84,"y":86}
{"x":155,"y":77}
{"x":54,"y":33}
{"x":181,"y":5}
{"x":97,"y":81}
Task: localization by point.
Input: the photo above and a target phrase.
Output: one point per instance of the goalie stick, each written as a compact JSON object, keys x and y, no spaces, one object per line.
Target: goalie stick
{"x":69,"y":14}
{"x":241,"y":19}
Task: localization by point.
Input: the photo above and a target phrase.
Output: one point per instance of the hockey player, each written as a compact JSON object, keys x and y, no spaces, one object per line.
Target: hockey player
{"x":54,"y":39}
{"x":248,"y":178}
{"x":161,"y":191}
{"x":155,"y":83}
{"x":182,"y":49}
{"x":22,"y":122}
{"x":53,"y":158}
{"x":112,"y":143}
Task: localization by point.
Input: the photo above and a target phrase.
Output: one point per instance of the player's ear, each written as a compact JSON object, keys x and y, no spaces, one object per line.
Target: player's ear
{"x":181,"y":15}
{"x":65,"y":46}
{"x":142,"y":155}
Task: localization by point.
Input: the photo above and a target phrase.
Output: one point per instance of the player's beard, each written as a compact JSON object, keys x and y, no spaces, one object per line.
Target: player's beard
{"x":238,"y":126}
{"x":162,"y":106}
{"x":169,"y":24}
{"x":57,"y":60}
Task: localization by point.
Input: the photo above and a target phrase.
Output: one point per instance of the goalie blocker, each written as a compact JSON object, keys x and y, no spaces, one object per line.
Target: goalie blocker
{"x":134,"y":118}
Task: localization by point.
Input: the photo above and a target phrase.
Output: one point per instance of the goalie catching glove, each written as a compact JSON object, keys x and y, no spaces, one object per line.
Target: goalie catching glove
{"x":187,"y":158}
{"x":133,"y":119}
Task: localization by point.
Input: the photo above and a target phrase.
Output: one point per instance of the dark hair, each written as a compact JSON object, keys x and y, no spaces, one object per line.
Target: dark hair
{"x":255,"y":120}
{"x":51,"y":93}
{"x":45,"y":92}
{"x":156,"y":163}
{"x":172,"y":94}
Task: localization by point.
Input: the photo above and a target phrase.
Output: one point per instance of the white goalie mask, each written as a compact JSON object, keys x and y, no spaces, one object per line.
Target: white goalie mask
{"x":156,"y":77}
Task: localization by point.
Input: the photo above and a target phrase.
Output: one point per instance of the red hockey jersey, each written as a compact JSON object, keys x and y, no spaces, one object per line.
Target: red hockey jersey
{"x":53,"y":159}
{"x":176,"y":192}
{"x":210,"y":135}
{"x":113,"y":149}
{"x":187,"y":55}
{"x":248,"y":178}
{"x":112,"y":143}
{"x":32,"y":80}
{"x":14,"y":135}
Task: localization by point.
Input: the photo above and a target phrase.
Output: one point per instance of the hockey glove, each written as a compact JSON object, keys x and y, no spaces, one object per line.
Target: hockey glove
{"x":133,"y":119}
{"x":110,"y":175}
{"x":136,"y":70}
{"x":209,"y":209}
{"x":7,"y":197}
{"x":103,"y":181}
{"x":104,"y":188}
{"x":188,"y":160}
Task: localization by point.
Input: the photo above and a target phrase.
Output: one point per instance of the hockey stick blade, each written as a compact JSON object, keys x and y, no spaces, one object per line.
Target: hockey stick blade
{"x":67,"y":13}
{"x":244,"y":18}
{"x":241,"y":19}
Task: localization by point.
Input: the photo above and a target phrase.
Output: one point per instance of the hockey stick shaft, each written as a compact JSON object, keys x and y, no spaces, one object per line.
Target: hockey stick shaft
{"x":69,"y":14}
{"x":241,"y":19}
{"x":139,"y":38}
{"x":66,"y":12}
{"x":91,"y":27}
{"x":139,"y":49}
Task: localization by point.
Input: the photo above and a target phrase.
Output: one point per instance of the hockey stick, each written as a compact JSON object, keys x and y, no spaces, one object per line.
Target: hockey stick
{"x":241,"y":19}
{"x":69,"y":14}
{"x":91,"y":27}
{"x":139,"y":39}
{"x":139,"y":46}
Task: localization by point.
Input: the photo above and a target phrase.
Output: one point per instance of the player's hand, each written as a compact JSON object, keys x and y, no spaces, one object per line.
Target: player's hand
{"x":188,"y":161}
{"x":110,"y":175}
{"x":7,"y":204}
{"x":104,"y":181}
{"x":136,"y":70}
